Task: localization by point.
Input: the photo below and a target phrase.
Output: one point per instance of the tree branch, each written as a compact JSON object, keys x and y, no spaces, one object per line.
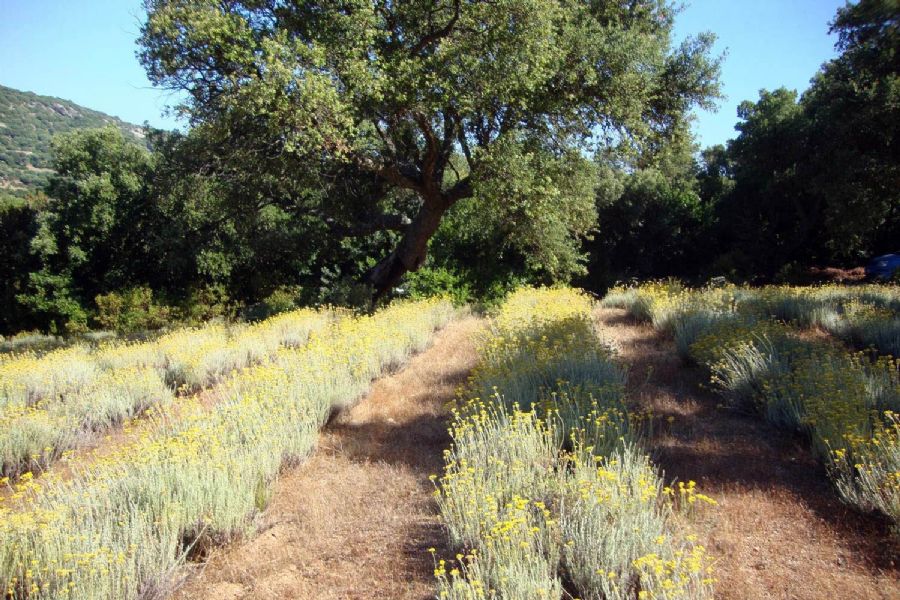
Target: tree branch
{"x":429,"y":162}
{"x":461,"y":189}
{"x":401,"y":176}
{"x":465,"y":146}
{"x":374,"y":224}
{"x":433,"y":36}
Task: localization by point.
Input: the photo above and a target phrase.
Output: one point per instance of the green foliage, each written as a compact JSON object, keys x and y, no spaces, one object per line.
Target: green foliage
{"x":507,"y":235}
{"x":132,"y":310}
{"x":809,"y":180}
{"x":438,"y":281}
{"x":89,"y":235}
{"x":771,"y":214}
{"x":28,"y":123}
{"x":18,"y":224}
{"x":51,"y":300}
{"x":283,"y":299}
{"x":339,"y":147}
{"x":853,"y":107}
{"x":205,"y":304}
{"x":347,"y":292}
{"x":816,"y":179}
{"x":481,"y":257}
{"x":229,"y":224}
{"x":653,"y":222}
{"x":389,"y":93}
{"x":537,"y":204}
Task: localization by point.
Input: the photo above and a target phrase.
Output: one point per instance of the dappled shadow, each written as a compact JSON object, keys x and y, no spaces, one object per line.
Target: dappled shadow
{"x":619,"y":318}
{"x":414,"y":441}
{"x":415,"y":438}
{"x":723,"y":449}
{"x":417,"y":443}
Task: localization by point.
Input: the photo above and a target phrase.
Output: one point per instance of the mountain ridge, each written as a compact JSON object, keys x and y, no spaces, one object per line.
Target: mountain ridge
{"x":28,"y":122}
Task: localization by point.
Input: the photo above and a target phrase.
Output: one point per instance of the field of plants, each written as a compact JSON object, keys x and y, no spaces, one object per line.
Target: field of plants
{"x":313,"y":334}
{"x":55,"y":402}
{"x":765,"y":353}
{"x":550,"y":487}
{"x":120,"y":524}
{"x":547,"y":481}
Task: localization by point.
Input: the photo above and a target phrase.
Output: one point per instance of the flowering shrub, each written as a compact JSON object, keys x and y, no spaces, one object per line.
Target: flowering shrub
{"x":867,"y":469}
{"x":546,"y":476}
{"x":845,"y":402}
{"x":118,"y":528}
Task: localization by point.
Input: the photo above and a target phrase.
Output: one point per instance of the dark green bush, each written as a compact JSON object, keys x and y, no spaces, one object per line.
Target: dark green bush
{"x":206,"y":303}
{"x":347,"y":292}
{"x":283,"y":299}
{"x":51,"y":301}
{"x":437,"y":281}
{"x":132,"y":310}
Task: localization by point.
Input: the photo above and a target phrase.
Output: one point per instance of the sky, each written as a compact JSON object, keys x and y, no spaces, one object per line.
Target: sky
{"x":767,"y":44}
{"x":84,"y":51}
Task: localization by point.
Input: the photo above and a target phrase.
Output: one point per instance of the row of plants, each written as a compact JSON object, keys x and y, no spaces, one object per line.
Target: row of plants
{"x":845,"y":402}
{"x":122,"y":524}
{"x":546,"y":490}
{"x":53,"y":403}
{"x":864,"y":316}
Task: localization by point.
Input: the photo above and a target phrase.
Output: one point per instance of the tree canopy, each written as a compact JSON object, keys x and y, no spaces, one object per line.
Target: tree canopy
{"x":334,"y":145}
{"x":817,"y":176}
{"x":89,"y":235}
{"x":393,"y":90}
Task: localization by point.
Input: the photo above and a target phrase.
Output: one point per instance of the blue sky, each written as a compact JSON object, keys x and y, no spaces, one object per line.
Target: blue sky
{"x":83,"y":51}
{"x":768,"y":44}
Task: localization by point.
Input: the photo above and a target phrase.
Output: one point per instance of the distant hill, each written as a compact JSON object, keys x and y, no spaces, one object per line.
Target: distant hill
{"x":27,"y":124}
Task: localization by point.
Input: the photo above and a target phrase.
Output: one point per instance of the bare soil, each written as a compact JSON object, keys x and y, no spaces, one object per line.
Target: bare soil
{"x":779,"y":530}
{"x":838,"y":275}
{"x":356,"y":520}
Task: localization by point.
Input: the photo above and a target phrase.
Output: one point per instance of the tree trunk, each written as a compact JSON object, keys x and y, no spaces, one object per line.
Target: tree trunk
{"x":410,"y":253}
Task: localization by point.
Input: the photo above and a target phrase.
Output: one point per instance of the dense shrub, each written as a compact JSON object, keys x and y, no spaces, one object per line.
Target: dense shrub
{"x":281,"y":300}
{"x":131,"y":311}
{"x":206,"y":303}
{"x":438,"y":281}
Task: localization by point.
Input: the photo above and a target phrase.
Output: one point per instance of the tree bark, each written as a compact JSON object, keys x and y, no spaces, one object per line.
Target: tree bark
{"x":412,"y":250}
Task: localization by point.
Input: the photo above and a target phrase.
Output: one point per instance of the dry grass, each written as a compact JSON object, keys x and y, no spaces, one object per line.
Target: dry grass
{"x":356,"y":520}
{"x":780,"y":530}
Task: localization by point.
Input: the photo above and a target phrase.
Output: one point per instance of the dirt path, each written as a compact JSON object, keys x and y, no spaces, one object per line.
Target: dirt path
{"x":356,"y":520}
{"x":779,"y":530}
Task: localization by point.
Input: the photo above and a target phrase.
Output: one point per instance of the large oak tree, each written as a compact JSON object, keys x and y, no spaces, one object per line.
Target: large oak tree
{"x":394,"y":92}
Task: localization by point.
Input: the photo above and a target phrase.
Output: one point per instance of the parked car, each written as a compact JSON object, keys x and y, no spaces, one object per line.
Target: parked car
{"x":883,"y":267}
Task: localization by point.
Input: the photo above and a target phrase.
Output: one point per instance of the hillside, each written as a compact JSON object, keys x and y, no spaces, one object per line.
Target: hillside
{"x":28,"y":123}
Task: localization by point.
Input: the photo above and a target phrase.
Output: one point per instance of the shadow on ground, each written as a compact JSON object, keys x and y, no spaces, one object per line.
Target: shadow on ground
{"x":725,"y":450}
